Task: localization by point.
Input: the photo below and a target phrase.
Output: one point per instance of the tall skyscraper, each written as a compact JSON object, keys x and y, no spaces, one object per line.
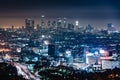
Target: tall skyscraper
{"x":59,"y":23}
{"x":70,"y":27}
{"x":49,"y":24}
{"x":64,"y":22}
{"x":43,"y":21}
{"x":54,"y":25}
{"x":38,"y":27}
{"x":76,"y":25}
{"x":29,"y":24}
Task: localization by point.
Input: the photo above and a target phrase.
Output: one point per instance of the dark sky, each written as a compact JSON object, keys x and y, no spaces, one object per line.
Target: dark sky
{"x":15,"y":11}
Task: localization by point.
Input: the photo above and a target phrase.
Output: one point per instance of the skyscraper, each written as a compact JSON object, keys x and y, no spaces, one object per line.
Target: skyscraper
{"x":70,"y":27}
{"x":49,"y":24}
{"x":51,"y":50}
{"x":43,"y":21}
{"x":59,"y":23}
{"x":64,"y":22}
{"x":29,"y":24}
{"x":54,"y":24}
{"x":76,"y":25}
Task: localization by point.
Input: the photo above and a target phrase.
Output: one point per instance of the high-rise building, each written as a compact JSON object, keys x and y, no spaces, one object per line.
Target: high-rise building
{"x":76,"y":25}
{"x":89,"y":28}
{"x":12,"y":28}
{"x":49,"y":24}
{"x":43,"y":21}
{"x":29,"y":24}
{"x":59,"y":23}
{"x":64,"y":22}
{"x":54,"y":24}
{"x":70,"y":27}
{"x":80,"y":54}
{"x":51,"y":50}
{"x":38,"y":27}
{"x":111,"y":28}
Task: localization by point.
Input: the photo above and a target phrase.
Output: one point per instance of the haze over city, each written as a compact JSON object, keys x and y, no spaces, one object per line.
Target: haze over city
{"x":94,"y":12}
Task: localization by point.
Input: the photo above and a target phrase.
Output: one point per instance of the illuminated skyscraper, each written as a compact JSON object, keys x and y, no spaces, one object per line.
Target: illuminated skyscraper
{"x":29,"y":24}
{"x":43,"y":21}
{"x":76,"y":25}
{"x":64,"y":22}
{"x":59,"y":23}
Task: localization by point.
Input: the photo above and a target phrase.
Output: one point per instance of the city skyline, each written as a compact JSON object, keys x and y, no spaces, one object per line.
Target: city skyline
{"x":97,"y":24}
{"x":96,"y":13}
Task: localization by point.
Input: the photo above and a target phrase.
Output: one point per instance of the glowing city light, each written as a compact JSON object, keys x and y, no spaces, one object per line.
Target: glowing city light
{"x":42,"y":16}
{"x":102,"y":51}
{"x":36,"y":50}
{"x":76,"y":23}
{"x":43,"y":36}
{"x":2,"y":43}
{"x":68,"y":53}
{"x":4,"y":50}
{"x":7,"y":57}
{"x":96,"y":53}
{"x":46,"y":42}
{"x":18,"y":50}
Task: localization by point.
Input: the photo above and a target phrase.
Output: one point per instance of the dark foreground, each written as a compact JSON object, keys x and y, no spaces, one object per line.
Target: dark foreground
{"x":9,"y":72}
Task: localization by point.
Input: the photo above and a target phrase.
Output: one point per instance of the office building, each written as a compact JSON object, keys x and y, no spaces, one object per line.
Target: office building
{"x":29,"y":24}
{"x":64,"y":22}
{"x":43,"y":21}
{"x":59,"y":23}
{"x":51,"y":50}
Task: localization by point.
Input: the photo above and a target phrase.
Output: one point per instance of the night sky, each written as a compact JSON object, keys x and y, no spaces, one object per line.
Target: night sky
{"x":96,"y":12}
